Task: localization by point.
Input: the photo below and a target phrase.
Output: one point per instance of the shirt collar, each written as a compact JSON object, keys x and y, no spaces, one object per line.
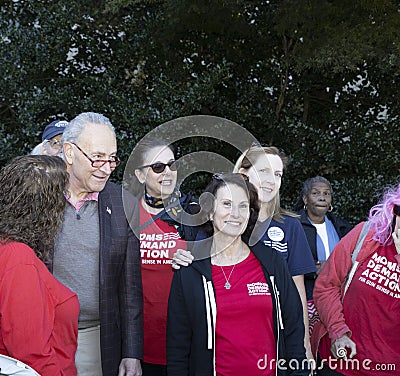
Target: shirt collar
{"x":92,"y":196}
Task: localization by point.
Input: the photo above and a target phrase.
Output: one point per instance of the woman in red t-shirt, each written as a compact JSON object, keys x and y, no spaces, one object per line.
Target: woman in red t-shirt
{"x":38,"y":315}
{"x":235,"y":310}
{"x":161,"y":233}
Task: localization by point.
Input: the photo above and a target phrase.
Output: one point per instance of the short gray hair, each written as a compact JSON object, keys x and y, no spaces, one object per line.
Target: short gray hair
{"x":307,"y":186}
{"x":76,"y":126}
{"x":316,"y":179}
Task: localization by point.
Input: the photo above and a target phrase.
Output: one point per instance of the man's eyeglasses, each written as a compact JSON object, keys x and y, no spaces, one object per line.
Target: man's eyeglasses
{"x":97,"y":163}
{"x":159,"y":167}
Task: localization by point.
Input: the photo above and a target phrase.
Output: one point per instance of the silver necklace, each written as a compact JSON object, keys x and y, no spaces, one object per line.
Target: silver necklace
{"x":227,"y":285}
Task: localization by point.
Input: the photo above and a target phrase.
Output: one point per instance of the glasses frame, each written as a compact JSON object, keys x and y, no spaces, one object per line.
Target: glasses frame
{"x":163,"y":165}
{"x":113,"y":163}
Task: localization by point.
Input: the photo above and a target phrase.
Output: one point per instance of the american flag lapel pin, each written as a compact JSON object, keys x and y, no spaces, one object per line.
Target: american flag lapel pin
{"x":108,"y":210}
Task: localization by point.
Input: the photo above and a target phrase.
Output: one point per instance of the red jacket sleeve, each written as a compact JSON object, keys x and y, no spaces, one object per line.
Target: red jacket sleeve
{"x":27,"y":316}
{"x":330,"y":282}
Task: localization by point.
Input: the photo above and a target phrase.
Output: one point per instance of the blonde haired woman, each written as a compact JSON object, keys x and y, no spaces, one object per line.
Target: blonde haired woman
{"x":276,"y":227}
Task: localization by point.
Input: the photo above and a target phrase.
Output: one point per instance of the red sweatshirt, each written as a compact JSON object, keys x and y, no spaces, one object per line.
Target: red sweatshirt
{"x":38,"y":315}
{"x":365,"y":312}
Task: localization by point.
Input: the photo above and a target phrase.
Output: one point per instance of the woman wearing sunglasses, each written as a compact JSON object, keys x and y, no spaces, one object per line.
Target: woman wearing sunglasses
{"x":236,"y":311}
{"x":161,"y":234}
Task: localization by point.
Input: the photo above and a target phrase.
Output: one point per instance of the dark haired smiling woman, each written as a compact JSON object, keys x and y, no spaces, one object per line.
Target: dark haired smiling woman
{"x":237,"y":311}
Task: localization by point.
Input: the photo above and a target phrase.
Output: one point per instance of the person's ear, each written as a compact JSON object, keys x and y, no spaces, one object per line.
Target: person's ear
{"x":242,"y":170}
{"x":68,"y":152}
{"x":141,"y":176}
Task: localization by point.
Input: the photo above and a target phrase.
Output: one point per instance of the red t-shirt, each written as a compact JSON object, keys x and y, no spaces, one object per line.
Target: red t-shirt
{"x":245,"y":340}
{"x":158,"y":243}
{"x":371,"y":310}
{"x":39,"y":315}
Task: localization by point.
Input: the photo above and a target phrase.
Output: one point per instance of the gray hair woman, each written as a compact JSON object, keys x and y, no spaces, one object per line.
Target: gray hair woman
{"x":323,"y":228}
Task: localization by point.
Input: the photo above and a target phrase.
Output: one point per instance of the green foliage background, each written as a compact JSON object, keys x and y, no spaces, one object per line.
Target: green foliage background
{"x":317,"y":78}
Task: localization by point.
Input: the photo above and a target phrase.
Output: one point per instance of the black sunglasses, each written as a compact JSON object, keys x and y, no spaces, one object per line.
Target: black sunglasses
{"x":159,"y":167}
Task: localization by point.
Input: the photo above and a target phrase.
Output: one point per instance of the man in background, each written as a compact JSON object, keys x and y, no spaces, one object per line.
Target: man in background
{"x":51,"y":139}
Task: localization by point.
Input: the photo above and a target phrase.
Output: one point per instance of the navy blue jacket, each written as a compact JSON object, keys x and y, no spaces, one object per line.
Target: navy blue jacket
{"x":342,"y":227}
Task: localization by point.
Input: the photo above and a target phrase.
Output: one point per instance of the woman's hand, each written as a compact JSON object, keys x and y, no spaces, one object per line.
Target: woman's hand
{"x":181,"y":258}
{"x":339,"y":346}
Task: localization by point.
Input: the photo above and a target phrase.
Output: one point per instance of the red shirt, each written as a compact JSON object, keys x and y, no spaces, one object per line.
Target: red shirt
{"x":158,"y":243}
{"x":245,"y":340}
{"x":371,"y":308}
{"x":39,"y":315}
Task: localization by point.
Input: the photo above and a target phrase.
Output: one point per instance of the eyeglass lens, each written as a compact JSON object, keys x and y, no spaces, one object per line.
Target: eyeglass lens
{"x":159,"y":167}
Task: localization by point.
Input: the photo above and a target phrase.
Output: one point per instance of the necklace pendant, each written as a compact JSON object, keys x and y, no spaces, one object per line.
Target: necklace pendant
{"x":227,"y":285}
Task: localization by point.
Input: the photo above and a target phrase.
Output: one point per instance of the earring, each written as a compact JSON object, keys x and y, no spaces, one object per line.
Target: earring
{"x":305,"y":207}
{"x":330,"y":208}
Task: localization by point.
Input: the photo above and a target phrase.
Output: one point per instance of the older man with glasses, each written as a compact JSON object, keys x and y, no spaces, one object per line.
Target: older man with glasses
{"x":97,"y":255}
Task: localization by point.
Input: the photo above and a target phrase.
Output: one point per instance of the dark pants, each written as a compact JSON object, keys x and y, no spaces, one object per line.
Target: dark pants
{"x":149,"y":369}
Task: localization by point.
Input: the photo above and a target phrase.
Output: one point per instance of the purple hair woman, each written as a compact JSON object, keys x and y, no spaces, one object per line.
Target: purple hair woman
{"x":359,"y":317}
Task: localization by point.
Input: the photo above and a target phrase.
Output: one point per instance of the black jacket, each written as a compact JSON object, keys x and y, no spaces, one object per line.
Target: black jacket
{"x":188,"y":351}
{"x":121,"y":298}
{"x":342,"y":227}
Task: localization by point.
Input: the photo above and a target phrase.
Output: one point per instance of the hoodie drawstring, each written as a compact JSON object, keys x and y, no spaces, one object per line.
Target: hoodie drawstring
{"x":211,"y":310}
